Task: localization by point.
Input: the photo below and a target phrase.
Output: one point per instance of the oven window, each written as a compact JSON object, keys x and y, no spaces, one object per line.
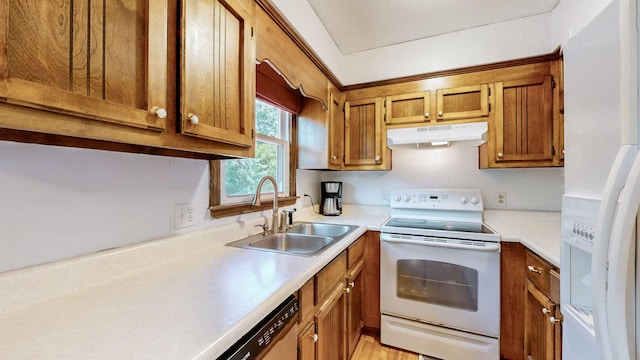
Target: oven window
{"x":440,"y":283}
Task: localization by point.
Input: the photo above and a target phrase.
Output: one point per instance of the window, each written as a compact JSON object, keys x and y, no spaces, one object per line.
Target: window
{"x":241,"y":177}
{"x":233,"y":182}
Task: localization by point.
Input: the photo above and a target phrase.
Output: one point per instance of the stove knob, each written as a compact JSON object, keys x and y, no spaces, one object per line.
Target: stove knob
{"x":475,"y":200}
{"x":397,"y":198}
{"x":407,"y":198}
{"x":464,"y":200}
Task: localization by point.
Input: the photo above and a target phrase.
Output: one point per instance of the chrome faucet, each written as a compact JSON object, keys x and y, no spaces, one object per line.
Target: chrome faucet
{"x":256,"y":201}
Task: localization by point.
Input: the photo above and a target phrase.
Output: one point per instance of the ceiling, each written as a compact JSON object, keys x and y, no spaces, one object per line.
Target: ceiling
{"x":359,"y":25}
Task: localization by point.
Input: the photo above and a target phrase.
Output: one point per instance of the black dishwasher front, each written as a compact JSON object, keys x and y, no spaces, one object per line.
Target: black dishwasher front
{"x":267,"y":331}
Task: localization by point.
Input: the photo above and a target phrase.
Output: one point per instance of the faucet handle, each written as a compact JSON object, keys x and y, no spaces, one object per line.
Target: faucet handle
{"x":265,"y":228}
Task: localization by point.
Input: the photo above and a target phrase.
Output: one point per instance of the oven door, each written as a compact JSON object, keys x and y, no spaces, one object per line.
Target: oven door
{"x":447,"y":282}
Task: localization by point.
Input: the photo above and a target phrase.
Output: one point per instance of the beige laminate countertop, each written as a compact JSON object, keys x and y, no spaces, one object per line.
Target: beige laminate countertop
{"x":540,"y":231}
{"x":182,"y":297}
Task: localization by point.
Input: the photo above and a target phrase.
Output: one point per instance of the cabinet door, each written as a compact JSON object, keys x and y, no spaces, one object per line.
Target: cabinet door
{"x":307,"y":343}
{"x":363,"y":132}
{"x":330,"y":326}
{"x":539,"y":333}
{"x":107,"y":62}
{"x":408,"y":108}
{"x":466,"y":102}
{"x":354,"y":308}
{"x":218,"y":71}
{"x":524,"y":121}
{"x":336,"y":131}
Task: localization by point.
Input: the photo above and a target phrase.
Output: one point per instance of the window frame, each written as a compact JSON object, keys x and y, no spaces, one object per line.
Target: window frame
{"x":219,"y":210}
{"x":285,"y":121}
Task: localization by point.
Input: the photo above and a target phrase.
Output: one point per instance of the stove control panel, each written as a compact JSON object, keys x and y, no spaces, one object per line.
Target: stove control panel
{"x":437,"y":199}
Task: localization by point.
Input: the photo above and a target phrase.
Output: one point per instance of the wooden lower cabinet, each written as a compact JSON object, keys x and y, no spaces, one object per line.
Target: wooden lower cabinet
{"x":307,"y":342}
{"x":331,"y":323}
{"x":354,"y":308}
{"x":530,"y":324}
{"x":539,"y":334}
{"x":330,"y":326}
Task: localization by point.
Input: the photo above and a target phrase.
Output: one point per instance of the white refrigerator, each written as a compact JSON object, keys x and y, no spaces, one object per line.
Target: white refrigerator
{"x":602,"y":188}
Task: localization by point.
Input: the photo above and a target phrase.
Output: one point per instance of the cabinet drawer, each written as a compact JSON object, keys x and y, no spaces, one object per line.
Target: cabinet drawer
{"x":306,"y":300}
{"x":538,"y":271}
{"x":355,"y":253}
{"x":329,"y":276}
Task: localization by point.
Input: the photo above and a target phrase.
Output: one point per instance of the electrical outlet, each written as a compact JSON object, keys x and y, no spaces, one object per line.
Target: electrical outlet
{"x":183,"y":216}
{"x":384,"y":196}
{"x":501,"y":199}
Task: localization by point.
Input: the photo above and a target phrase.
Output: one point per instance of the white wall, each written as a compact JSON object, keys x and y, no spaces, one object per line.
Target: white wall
{"x":509,"y":40}
{"x":455,"y":167}
{"x":487,"y":44}
{"x":482,"y":45}
{"x":61,"y":202}
{"x":571,"y":16}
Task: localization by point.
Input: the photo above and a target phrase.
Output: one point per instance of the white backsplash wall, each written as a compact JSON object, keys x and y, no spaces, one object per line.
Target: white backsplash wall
{"x":58,"y":203}
{"x":62,"y":202}
{"x":455,"y":167}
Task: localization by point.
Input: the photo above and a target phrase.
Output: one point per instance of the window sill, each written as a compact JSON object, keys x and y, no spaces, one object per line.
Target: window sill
{"x":220,"y":211}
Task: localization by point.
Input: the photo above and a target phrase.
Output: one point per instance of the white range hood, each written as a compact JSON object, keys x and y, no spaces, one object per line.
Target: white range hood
{"x":469,"y":134}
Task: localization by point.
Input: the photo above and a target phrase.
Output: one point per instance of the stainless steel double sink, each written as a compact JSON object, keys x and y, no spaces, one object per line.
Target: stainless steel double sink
{"x":303,"y":239}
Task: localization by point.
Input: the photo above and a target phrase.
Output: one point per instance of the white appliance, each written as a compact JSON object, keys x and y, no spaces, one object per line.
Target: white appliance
{"x":440,"y":275}
{"x":602,"y":188}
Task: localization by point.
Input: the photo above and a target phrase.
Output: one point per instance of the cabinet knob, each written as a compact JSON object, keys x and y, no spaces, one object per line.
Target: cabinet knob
{"x":378,"y":159}
{"x":500,"y":155}
{"x":348,"y":290}
{"x":160,"y":112}
{"x":334,"y":157}
{"x":352,"y":284}
{"x":533,"y":269}
{"x":440,"y":113}
{"x":315,"y":338}
{"x":553,"y":320}
{"x":193,"y":119}
{"x":427,"y":115}
{"x":545,"y":311}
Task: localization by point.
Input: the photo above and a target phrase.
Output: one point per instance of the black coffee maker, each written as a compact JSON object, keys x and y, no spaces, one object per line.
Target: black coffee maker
{"x":331,"y":202}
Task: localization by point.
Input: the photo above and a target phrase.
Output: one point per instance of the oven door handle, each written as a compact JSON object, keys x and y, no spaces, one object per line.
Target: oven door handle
{"x":489,"y":247}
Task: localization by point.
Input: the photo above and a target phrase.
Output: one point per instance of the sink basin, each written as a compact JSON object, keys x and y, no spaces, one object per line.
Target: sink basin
{"x":303,"y":239}
{"x":293,"y":243}
{"x":320,"y":229}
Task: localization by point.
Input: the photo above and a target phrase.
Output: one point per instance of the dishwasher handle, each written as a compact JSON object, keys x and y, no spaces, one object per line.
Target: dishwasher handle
{"x":443,"y":243}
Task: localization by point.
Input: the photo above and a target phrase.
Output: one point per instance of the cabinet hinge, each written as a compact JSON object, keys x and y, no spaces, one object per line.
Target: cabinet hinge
{"x":553,"y":84}
{"x":489,"y":92}
{"x":252,"y":133}
{"x":252,"y":31}
{"x":489,"y":107}
{"x":553,"y":151}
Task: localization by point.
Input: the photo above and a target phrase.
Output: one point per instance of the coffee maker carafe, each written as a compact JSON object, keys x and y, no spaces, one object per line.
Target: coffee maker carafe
{"x":331,"y":202}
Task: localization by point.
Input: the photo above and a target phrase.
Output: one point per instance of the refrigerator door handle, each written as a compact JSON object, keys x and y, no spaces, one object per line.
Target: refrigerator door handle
{"x":621,"y":275}
{"x":617,"y":177}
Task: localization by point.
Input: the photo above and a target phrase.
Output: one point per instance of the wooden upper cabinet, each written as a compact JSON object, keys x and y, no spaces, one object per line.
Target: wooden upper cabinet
{"x":524,"y":120}
{"x":106,"y":62}
{"x":218,"y":71}
{"x":336,"y":131}
{"x":364,"y":135}
{"x":408,"y":108}
{"x":465,"y":102}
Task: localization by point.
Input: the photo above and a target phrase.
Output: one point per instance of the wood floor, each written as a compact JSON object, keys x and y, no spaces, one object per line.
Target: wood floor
{"x":369,"y":348}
